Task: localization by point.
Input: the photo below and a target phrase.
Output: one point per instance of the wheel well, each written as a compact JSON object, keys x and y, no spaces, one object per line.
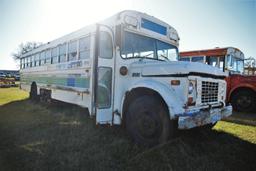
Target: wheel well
{"x":137,"y":92}
{"x":242,"y":89}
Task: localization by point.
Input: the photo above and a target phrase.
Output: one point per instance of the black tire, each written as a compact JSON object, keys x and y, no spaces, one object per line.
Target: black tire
{"x":243,"y":101}
{"x":147,"y":121}
{"x":209,"y":126}
{"x":33,"y":92}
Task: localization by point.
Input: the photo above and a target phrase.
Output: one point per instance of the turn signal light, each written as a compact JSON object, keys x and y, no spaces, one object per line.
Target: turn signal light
{"x":190,"y":101}
{"x":175,"y":82}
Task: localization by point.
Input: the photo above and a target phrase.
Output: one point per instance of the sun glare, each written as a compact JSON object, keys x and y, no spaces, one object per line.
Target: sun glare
{"x":63,"y":17}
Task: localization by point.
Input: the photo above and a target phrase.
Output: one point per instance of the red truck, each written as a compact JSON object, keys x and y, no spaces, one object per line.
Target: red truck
{"x":241,"y":89}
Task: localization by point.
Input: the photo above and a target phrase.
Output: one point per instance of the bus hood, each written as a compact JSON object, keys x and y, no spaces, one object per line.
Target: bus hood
{"x":176,"y":69}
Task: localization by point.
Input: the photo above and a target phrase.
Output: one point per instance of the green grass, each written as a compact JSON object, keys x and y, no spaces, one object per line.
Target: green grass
{"x":11,"y":94}
{"x":63,"y":137}
{"x":244,"y":132}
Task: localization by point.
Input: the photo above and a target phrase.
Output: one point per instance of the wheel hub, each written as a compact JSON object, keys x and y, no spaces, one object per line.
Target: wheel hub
{"x":244,"y":101}
{"x":147,"y":125}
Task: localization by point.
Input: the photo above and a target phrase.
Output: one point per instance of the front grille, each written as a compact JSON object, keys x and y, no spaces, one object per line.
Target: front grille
{"x":209,"y":92}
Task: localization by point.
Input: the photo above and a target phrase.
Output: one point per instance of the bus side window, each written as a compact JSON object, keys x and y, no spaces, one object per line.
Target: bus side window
{"x":48,"y":56}
{"x":84,"y":48}
{"x":54,"y":58}
{"x":28,"y":61}
{"x":62,"y":52}
{"x":23,"y":63}
{"x":42,"y":58}
{"x":36,"y":62}
{"x":72,"y":50}
{"x":106,"y":46}
{"x":32,"y":61}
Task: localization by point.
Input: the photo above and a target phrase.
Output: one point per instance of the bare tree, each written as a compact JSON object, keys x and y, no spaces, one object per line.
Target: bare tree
{"x":24,"y":48}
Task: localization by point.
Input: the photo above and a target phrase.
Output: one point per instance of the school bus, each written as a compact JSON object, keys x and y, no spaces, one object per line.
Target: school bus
{"x":125,"y":71}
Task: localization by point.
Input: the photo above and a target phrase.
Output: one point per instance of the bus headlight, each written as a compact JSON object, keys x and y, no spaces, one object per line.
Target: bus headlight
{"x":191,"y":101}
{"x":190,"y":87}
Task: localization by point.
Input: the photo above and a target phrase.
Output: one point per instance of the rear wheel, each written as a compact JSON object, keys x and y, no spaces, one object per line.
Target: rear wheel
{"x":147,"y":121}
{"x":33,"y":92}
{"x":243,"y":100}
{"x":209,"y":126}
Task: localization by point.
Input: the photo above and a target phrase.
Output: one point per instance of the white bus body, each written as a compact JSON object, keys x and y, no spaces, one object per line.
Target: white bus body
{"x":109,"y":66}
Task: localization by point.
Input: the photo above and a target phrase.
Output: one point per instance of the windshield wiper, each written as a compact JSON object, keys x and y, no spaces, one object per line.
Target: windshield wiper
{"x":147,"y":55}
{"x":165,"y":57}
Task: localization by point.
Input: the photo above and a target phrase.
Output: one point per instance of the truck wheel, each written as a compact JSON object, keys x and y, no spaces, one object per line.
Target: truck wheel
{"x":147,"y":121}
{"x":243,"y":101}
{"x":33,"y":92}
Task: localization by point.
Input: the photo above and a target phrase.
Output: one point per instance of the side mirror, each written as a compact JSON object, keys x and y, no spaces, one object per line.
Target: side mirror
{"x":118,"y":33}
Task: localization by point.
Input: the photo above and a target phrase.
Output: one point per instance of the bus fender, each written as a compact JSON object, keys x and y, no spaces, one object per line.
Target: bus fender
{"x":174,"y":104}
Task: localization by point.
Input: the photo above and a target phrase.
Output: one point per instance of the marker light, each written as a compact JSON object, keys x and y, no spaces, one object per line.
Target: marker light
{"x":175,"y":82}
{"x":131,"y":21}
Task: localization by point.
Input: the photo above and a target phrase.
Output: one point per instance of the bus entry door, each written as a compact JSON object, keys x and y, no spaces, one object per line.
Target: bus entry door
{"x":104,"y":81}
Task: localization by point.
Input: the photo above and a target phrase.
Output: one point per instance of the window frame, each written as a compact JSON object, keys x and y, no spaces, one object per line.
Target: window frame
{"x":55,"y":56}
{"x":75,"y":41}
{"x":42,"y":59}
{"x":155,"y":44}
{"x":87,"y":50}
{"x":64,"y":45}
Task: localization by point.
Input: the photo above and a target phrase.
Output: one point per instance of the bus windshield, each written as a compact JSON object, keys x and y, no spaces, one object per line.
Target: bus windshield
{"x":138,"y":46}
{"x":235,"y":64}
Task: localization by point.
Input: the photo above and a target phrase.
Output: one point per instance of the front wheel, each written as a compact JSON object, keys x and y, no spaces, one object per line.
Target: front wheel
{"x":243,"y":101}
{"x":147,"y":121}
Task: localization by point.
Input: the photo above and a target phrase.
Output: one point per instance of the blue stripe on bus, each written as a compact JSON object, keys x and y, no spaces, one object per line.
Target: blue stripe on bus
{"x":153,"y":26}
{"x":71,"y":82}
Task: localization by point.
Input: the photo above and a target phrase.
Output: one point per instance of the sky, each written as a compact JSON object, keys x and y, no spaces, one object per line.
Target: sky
{"x":201,"y":24}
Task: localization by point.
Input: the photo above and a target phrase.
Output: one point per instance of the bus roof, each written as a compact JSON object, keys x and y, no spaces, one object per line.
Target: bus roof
{"x":153,"y":27}
{"x":213,"y":52}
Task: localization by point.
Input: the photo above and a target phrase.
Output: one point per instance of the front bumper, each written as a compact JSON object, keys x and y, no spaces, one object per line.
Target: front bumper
{"x":193,"y":119}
